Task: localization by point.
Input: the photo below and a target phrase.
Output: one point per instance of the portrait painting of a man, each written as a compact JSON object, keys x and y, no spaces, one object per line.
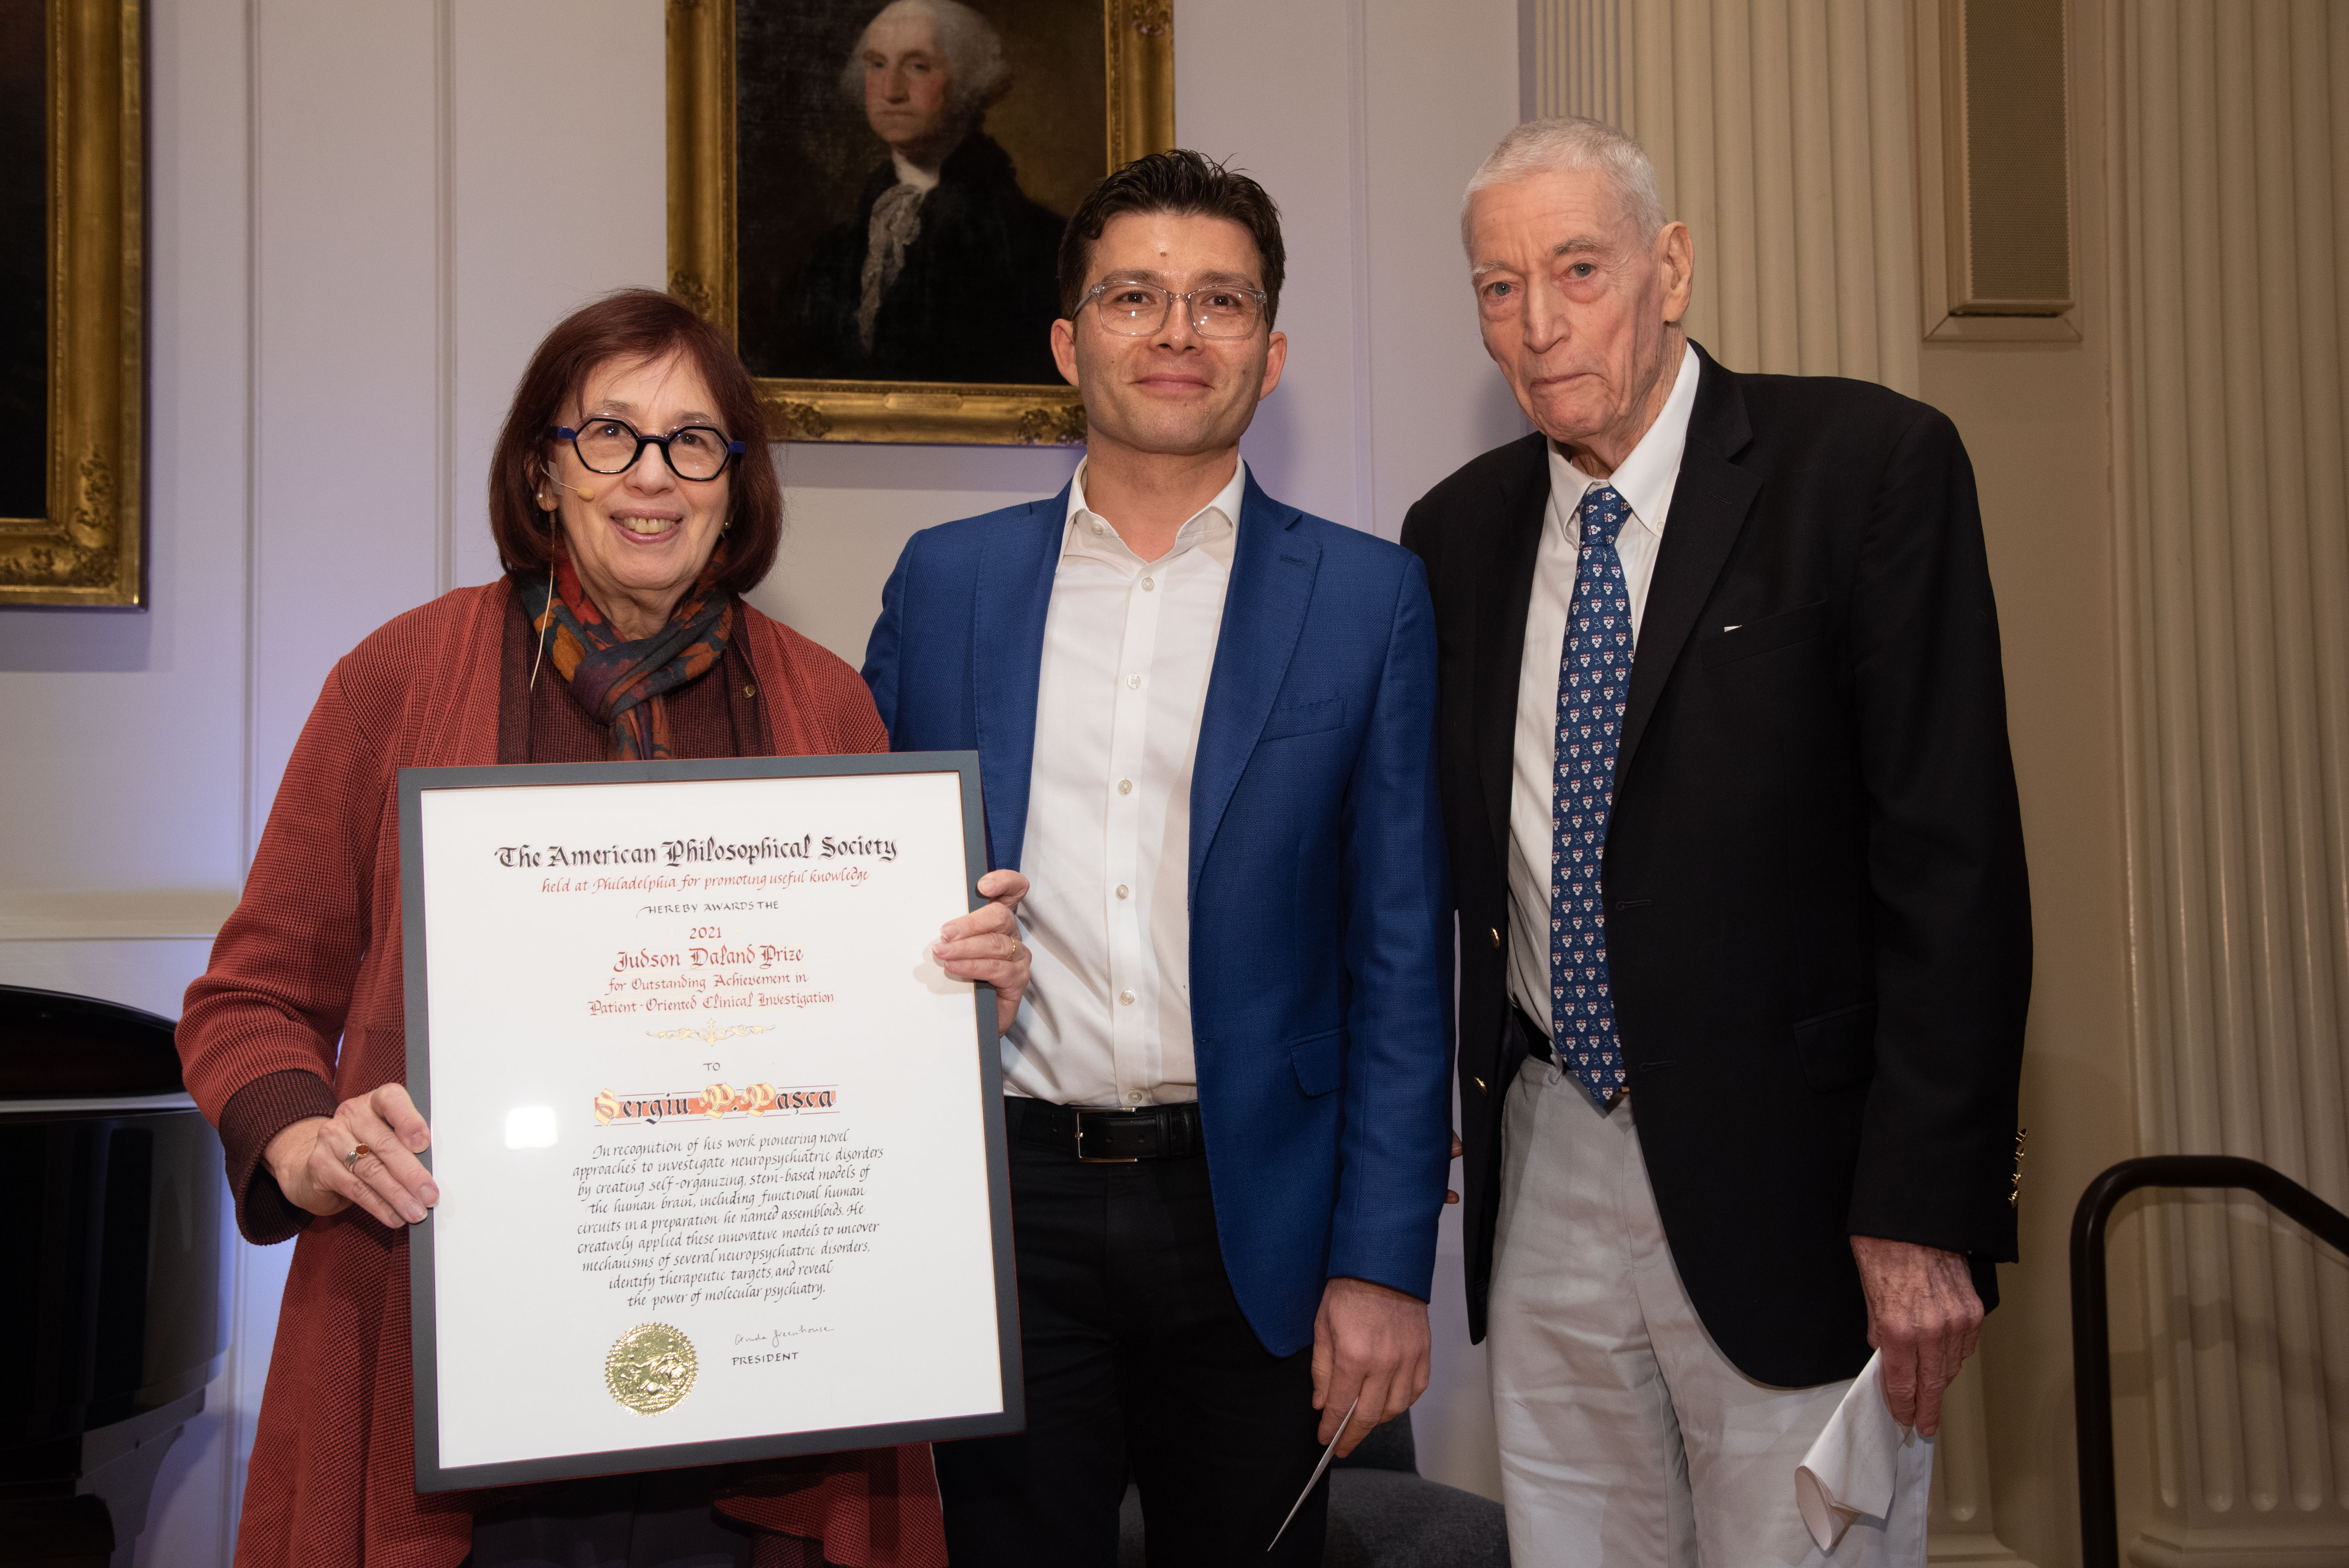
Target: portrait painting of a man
{"x":904,"y":171}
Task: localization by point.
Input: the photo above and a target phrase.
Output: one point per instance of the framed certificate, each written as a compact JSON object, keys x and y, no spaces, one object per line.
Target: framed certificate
{"x":720,"y":1145}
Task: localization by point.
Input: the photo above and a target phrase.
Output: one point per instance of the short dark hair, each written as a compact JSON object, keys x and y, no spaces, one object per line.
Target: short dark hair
{"x":1180,"y":181}
{"x":632,"y":325}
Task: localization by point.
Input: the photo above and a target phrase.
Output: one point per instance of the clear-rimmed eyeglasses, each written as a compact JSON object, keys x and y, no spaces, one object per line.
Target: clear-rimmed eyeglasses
{"x":613,"y":446}
{"x":1137,"y":309}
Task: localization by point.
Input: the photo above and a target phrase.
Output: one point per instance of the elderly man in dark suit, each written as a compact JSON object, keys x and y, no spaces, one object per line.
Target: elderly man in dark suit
{"x":1740,"y":881}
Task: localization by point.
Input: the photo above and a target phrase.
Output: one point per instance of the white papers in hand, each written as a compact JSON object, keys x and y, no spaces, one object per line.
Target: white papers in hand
{"x":1851,"y":1470}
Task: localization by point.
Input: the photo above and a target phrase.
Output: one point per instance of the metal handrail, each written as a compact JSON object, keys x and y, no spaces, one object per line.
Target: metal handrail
{"x":2092,"y":1367}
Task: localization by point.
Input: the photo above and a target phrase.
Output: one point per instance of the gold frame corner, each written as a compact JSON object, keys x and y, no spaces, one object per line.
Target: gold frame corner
{"x":89,"y":549}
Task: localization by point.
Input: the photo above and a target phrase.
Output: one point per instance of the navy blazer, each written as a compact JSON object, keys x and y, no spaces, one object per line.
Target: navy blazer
{"x":1320,"y":919}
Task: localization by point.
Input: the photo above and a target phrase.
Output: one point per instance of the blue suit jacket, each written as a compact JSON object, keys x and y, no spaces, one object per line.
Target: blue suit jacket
{"x":1321,"y":925}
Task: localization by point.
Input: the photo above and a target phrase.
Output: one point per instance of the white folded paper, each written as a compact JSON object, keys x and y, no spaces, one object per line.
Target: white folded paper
{"x":1852,"y":1470}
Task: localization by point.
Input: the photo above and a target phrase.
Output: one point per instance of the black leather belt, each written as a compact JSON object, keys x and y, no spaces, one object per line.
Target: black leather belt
{"x":1108,"y":1135}
{"x":1537,"y":1037}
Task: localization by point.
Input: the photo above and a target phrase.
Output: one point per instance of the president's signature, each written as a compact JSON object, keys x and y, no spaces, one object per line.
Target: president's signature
{"x":775,"y":1336}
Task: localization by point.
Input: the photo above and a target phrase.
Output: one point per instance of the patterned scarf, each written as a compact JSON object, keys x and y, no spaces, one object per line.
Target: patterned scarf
{"x":622,"y":683}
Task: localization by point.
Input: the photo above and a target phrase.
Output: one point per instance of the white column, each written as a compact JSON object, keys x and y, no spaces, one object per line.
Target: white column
{"x":1781,"y":134}
{"x":2232,"y":141}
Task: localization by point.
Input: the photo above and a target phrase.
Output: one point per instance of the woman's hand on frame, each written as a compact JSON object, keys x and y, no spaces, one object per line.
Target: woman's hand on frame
{"x":313,"y":1165}
{"x":984,"y":945}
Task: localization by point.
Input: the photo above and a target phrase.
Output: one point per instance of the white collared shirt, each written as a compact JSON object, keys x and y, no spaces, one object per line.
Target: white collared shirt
{"x":1645,"y":481}
{"x":1129,"y":646}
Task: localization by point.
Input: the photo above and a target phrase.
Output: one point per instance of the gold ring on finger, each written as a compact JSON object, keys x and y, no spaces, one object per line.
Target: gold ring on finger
{"x":351,"y":1160}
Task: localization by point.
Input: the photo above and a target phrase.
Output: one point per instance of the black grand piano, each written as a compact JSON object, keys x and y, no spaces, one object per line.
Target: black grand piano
{"x":113,"y":1314}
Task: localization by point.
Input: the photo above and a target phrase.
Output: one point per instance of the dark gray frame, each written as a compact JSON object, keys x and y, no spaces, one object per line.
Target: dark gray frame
{"x":431,"y":1474}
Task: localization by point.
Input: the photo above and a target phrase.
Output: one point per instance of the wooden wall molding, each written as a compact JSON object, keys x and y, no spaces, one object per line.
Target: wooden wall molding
{"x":1933,"y":51}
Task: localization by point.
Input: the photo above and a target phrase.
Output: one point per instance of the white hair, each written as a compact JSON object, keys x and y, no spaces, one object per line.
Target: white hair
{"x":973,"y":48}
{"x":1572,"y":142}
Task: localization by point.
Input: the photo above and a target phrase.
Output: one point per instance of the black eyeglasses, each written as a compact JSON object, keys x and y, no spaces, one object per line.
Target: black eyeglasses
{"x":613,"y":446}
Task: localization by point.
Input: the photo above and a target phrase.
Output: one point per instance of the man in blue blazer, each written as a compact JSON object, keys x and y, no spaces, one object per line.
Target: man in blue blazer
{"x":1204,"y":721}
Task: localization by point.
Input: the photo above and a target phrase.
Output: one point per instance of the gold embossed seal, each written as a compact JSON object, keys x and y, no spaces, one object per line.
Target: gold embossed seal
{"x":650,"y":1369}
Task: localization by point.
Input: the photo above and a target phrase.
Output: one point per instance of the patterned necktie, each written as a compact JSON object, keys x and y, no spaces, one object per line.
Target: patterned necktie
{"x":1593,"y":680}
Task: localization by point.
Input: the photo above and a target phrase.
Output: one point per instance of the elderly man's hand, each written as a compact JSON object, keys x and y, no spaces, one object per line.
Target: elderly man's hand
{"x":1923,"y":1314}
{"x":1370,"y":1343}
{"x":984,"y":945}
{"x":311,"y":1160}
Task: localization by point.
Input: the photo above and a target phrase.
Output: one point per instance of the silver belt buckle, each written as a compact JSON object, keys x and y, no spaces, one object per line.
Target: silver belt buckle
{"x":1084,"y":1159}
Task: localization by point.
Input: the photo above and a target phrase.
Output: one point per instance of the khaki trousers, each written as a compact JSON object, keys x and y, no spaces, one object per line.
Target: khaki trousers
{"x":1628,"y":1440}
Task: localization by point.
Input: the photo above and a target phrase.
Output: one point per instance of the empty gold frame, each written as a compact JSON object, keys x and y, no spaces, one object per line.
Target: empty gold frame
{"x":705,"y":247}
{"x":86,"y":547}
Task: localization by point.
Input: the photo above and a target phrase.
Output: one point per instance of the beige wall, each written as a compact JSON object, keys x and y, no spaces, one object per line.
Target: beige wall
{"x":2035,"y":420}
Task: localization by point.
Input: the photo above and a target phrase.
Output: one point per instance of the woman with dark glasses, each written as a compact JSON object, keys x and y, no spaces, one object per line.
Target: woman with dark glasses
{"x":632,"y":502}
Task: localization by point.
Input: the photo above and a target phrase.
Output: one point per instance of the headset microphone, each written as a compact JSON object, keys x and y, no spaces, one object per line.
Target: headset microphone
{"x":582,"y":494}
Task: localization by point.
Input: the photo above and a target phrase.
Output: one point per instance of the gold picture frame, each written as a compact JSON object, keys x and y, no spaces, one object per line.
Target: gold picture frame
{"x":1138,"y":45}
{"x":88,"y":550}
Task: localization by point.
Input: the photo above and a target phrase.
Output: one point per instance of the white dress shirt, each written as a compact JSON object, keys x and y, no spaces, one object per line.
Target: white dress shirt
{"x":1645,"y":481}
{"x":1128,"y":647}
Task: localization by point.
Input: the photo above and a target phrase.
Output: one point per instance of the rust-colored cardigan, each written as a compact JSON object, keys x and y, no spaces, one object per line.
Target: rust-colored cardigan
{"x":311,"y":956}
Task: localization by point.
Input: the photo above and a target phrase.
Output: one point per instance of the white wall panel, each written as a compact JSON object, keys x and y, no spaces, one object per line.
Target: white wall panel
{"x":364,"y":220}
{"x":1440,"y":88}
{"x":1269,"y":89}
{"x":346,"y":375}
{"x":123,"y":831}
{"x":556,"y":190}
{"x":125,"y":768}
{"x":848,"y":512}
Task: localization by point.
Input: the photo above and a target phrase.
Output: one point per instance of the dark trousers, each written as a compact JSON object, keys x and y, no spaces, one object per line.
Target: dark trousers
{"x":661,"y":1520}
{"x":1138,"y":1361}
